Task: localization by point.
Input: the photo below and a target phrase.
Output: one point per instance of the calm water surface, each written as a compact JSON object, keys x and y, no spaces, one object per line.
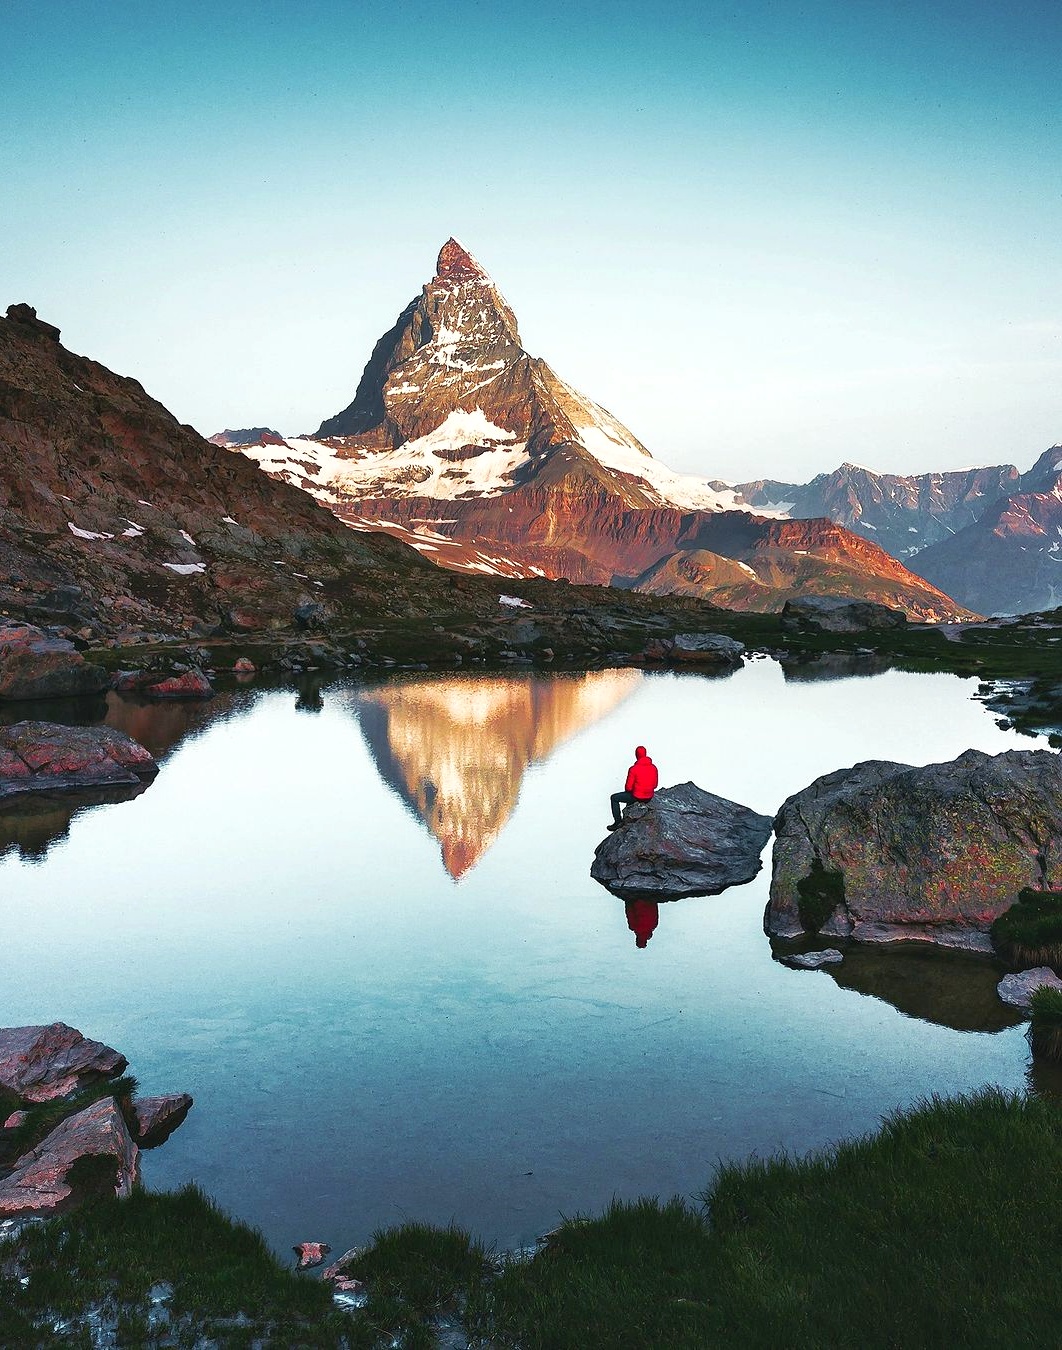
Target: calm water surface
{"x":360,"y":929}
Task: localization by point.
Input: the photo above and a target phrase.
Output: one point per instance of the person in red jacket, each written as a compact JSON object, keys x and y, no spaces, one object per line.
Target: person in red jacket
{"x":642,"y":779}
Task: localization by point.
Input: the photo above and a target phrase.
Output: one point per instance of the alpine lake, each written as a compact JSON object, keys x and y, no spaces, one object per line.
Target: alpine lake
{"x":355,"y":920}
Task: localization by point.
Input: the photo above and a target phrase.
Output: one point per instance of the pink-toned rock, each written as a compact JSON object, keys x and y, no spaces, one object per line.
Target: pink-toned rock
{"x":156,"y":1118}
{"x":42,"y":1183}
{"x":244,"y":666}
{"x":342,"y":1284}
{"x":34,"y":665}
{"x":310,"y":1254}
{"x":15,"y":1120}
{"x":43,"y":1063}
{"x":45,"y":757}
{"x":154,"y":684}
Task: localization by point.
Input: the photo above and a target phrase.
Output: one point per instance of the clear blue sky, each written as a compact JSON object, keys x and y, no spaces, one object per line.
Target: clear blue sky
{"x":767,"y":236}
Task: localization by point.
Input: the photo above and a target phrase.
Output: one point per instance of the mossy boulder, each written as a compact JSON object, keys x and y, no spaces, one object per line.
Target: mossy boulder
{"x":881,"y":851}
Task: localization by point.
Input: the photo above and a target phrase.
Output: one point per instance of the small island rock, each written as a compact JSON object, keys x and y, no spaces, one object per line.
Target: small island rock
{"x":49,"y":757}
{"x":34,"y":665}
{"x":882,"y":852}
{"x":158,"y":684}
{"x":40,"y":1064}
{"x":684,"y":842}
{"x":1017,"y":990}
{"x":310,"y":1254}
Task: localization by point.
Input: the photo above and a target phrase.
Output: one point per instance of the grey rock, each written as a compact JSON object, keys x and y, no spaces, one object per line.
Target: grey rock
{"x":812,"y":960}
{"x":1017,"y":990}
{"x":706,"y":647}
{"x":885,"y":852}
{"x":684,"y":842}
{"x":838,"y":614}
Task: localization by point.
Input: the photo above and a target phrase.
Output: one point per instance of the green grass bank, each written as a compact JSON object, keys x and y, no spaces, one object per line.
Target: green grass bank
{"x":944,"y":1228}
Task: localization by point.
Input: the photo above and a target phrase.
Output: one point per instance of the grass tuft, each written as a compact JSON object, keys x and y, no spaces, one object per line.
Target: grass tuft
{"x":1045,"y":1028}
{"x":1030,"y":932}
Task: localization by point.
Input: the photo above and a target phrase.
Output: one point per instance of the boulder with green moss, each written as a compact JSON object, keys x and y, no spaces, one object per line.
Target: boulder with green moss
{"x":885,"y":852}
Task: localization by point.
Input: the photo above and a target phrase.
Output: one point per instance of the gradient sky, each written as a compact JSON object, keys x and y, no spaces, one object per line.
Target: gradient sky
{"x":768,"y":236}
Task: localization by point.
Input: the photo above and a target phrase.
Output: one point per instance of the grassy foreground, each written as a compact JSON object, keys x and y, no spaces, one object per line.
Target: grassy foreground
{"x":943,"y":1229}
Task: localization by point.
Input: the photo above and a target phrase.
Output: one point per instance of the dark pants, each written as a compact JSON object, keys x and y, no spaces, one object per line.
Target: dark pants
{"x":619,"y":799}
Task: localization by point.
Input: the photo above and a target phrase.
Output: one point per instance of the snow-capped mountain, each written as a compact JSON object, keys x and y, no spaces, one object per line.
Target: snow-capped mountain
{"x":451,"y":406}
{"x":464,"y":445}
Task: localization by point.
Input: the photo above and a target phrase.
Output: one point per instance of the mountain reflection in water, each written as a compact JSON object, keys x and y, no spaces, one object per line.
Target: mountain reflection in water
{"x":455,"y":748}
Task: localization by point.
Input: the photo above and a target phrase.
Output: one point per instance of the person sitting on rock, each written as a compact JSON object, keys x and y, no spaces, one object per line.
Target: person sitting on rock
{"x":642,"y":779}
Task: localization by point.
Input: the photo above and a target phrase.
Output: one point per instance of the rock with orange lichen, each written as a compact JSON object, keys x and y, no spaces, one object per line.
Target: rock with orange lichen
{"x":885,"y":852}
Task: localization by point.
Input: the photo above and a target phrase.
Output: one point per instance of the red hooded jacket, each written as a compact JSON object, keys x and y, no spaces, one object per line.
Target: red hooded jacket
{"x":642,"y":776}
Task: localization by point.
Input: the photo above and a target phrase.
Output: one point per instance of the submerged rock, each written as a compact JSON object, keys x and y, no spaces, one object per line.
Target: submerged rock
{"x":1017,"y":990}
{"x":885,"y":852}
{"x":684,"y":842}
{"x":34,"y":665}
{"x":837,"y":614}
{"x":42,"y":1063}
{"x":156,"y":1118}
{"x":48,"y":757}
{"x":54,"y":1176}
{"x":812,"y":960}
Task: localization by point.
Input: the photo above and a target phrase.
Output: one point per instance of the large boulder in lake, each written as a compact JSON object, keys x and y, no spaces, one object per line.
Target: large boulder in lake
{"x":684,"y":842}
{"x":35,"y":665}
{"x":50,"y":757}
{"x":42,"y":1063}
{"x":86,"y":1154}
{"x":837,"y":614}
{"x":883,"y":852}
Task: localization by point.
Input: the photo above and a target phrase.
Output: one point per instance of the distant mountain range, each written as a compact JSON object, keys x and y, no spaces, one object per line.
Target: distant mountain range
{"x":989,"y":537}
{"x":462,"y":444}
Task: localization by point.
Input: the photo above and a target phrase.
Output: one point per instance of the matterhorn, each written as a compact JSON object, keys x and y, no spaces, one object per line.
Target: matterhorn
{"x":461,"y":443}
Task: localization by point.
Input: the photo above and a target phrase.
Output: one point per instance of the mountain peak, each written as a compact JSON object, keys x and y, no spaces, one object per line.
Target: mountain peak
{"x":455,"y":261}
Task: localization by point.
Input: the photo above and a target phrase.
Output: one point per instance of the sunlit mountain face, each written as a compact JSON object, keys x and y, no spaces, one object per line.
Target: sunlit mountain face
{"x":456,"y":748}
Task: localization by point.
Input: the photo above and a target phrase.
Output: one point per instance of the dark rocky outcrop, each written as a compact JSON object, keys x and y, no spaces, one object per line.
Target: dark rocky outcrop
{"x":837,"y":614}
{"x":684,"y":842}
{"x":50,"y":757}
{"x":35,"y":665}
{"x":882,"y":852}
{"x":42,"y":1063}
{"x":54,"y":1177}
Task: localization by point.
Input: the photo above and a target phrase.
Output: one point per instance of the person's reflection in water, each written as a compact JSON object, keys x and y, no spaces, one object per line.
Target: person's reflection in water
{"x":642,"y":918}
